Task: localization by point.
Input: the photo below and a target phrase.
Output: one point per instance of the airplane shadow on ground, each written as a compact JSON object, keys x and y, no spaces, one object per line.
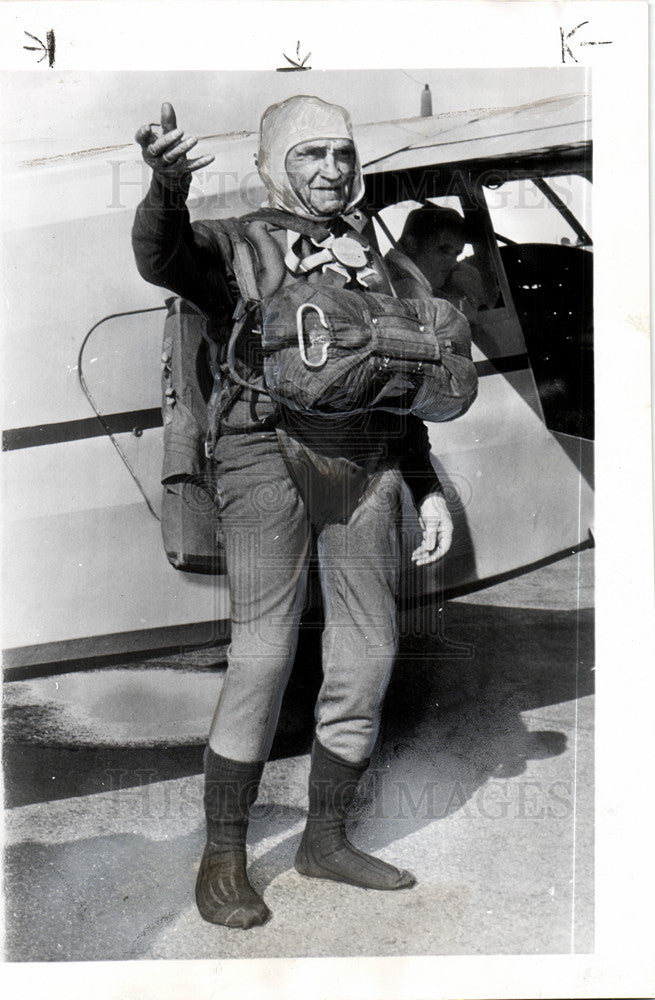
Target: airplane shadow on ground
{"x":452,"y":720}
{"x":464,"y":686}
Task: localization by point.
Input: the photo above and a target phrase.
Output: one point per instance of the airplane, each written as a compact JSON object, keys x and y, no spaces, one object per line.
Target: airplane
{"x":86,"y":578}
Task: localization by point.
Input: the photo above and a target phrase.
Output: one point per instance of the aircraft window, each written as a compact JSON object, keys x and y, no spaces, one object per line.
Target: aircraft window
{"x":445,"y":248}
{"x":542,"y":225}
{"x":119,"y":368}
{"x":394,"y":217}
{"x":526,"y":210}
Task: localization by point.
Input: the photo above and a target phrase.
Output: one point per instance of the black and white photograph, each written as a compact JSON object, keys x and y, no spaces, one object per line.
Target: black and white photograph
{"x":300,"y":409}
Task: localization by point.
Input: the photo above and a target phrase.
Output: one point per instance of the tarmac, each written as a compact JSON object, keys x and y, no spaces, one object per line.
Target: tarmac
{"x":481,"y":785}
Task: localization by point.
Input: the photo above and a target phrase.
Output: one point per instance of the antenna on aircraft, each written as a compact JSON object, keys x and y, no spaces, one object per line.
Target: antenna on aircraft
{"x":426,"y":102}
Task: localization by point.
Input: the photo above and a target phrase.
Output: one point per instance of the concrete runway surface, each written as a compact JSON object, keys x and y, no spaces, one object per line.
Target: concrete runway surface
{"x":482,"y":785}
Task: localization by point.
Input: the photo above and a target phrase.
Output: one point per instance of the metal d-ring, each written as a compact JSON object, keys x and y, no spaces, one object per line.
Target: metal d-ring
{"x":301,"y":342}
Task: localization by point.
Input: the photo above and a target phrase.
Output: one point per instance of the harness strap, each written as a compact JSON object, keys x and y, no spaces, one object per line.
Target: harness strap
{"x":242,"y":257}
{"x":247,"y":267}
{"x":253,"y":271}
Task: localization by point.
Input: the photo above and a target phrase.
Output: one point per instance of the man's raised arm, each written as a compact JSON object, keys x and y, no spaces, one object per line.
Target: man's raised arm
{"x":168,"y":251}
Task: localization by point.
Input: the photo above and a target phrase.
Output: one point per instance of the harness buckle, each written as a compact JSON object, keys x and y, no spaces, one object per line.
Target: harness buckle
{"x":319,"y":342}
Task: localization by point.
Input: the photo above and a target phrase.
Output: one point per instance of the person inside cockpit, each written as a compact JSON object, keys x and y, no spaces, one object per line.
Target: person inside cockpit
{"x":425,"y":260}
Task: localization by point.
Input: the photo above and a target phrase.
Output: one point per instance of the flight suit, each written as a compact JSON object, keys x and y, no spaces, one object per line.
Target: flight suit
{"x":342,"y":482}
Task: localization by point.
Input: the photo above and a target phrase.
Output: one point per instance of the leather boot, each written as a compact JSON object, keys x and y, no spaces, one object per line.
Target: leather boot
{"x":223,"y":893}
{"x":324,"y":851}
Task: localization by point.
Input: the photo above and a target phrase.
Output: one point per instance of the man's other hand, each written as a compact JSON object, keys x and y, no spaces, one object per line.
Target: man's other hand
{"x":437,"y":527}
{"x":464,"y":280}
{"x":166,"y":153}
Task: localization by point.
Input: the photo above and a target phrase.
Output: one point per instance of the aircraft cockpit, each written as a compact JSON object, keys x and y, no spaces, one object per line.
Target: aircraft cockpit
{"x":527,"y":224}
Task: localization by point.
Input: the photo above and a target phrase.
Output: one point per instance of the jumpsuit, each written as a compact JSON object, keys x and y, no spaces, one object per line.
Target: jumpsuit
{"x":268,"y":517}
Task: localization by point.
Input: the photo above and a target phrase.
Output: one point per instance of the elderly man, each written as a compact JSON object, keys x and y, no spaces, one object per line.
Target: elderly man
{"x":280,"y":479}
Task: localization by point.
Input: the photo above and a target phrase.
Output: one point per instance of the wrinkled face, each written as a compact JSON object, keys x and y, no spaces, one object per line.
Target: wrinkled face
{"x":321,"y":173}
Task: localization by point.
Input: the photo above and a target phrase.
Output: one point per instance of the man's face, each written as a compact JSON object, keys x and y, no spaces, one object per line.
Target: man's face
{"x":321,"y":173}
{"x":438,"y":256}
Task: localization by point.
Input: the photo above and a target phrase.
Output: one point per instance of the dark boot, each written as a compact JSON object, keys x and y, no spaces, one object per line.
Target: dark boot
{"x":324,"y":851}
{"x":223,"y":893}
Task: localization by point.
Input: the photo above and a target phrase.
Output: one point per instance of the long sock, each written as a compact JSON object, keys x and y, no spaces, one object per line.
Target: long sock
{"x":224,"y":894}
{"x":324,"y":850}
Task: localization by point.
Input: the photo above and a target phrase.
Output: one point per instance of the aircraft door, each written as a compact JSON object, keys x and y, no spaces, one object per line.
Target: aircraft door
{"x":542,"y":225}
{"x":119,"y":368}
{"x":517,"y":495}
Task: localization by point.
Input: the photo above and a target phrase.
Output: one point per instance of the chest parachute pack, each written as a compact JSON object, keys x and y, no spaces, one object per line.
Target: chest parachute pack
{"x":330,"y":351}
{"x":327,"y":352}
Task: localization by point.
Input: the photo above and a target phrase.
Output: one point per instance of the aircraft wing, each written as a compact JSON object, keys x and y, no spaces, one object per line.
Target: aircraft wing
{"x":80,"y":184}
{"x":418,"y":142}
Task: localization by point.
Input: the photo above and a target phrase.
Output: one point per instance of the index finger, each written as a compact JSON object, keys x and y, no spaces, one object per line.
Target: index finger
{"x":168,"y":119}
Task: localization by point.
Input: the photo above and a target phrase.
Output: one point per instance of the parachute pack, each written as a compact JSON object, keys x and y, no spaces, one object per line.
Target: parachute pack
{"x":330,"y":351}
{"x":327,"y":351}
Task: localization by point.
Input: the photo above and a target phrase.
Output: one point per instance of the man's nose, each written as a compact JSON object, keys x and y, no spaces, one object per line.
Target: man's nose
{"x":329,"y":167}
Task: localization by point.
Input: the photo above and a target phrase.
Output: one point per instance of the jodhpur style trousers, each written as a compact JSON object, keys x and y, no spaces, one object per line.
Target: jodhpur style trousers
{"x":267,"y":541}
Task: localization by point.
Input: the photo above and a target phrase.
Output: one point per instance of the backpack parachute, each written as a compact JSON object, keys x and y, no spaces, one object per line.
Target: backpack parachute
{"x":189,"y":513}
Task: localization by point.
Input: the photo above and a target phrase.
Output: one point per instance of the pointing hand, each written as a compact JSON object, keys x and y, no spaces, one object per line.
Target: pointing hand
{"x":166,"y":153}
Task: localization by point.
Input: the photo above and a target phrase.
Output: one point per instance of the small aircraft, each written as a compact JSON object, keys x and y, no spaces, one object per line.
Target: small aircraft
{"x":85,"y":572}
